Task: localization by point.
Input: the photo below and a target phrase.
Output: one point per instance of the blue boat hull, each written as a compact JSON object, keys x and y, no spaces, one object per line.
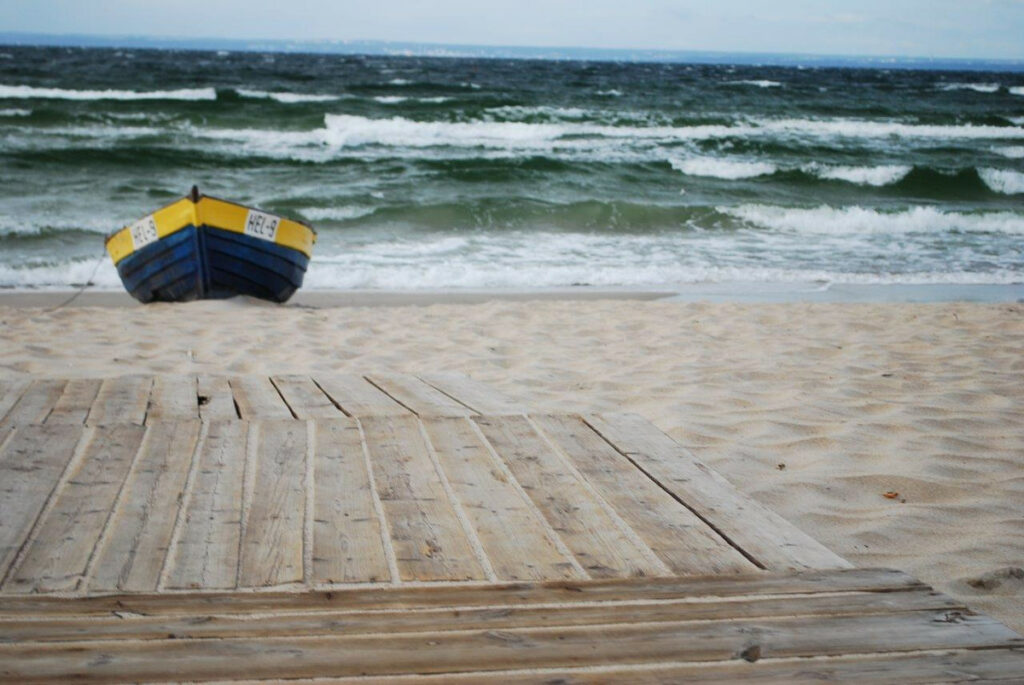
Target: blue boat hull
{"x":211,"y":263}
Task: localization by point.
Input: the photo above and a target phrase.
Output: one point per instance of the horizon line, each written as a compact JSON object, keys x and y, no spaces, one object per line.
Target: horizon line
{"x":408,"y":48}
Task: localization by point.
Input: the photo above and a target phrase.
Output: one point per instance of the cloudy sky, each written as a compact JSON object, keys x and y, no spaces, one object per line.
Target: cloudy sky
{"x":924,"y":28}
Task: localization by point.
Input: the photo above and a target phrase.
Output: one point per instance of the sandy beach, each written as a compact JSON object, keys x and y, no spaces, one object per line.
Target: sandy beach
{"x":816,"y":409}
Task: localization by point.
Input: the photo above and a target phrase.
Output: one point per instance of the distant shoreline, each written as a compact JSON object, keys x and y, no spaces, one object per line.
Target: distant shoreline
{"x":696,"y":292}
{"x":379,"y":48}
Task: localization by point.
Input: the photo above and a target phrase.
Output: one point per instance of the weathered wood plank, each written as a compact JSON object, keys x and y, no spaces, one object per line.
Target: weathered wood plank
{"x":394,"y":654}
{"x":451,"y":594}
{"x":257,"y":398}
{"x":10,"y":392}
{"x":763,"y":534}
{"x":347,"y":539}
{"x":481,"y":397}
{"x":517,"y":540}
{"x":121,"y":400}
{"x":272,"y":541}
{"x":173,"y":398}
{"x":75,"y":402}
{"x":58,"y":556}
{"x":679,"y":538}
{"x":139,"y":533}
{"x":440,"y":619}
{"x":30,"y":466}
{"x":429,"y":540}
{"x":35,"y":403}
{"x":216,"y":403}
{"x":358,"y":397}
{"x":599,"y":542}
{"x":206,"y":554}
{"x":973,"y":666}
{"x":304,"y":398}
{"x":421,"y":398}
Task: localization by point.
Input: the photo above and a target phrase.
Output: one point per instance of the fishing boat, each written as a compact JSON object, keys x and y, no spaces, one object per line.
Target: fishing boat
{"x":202,"y":247}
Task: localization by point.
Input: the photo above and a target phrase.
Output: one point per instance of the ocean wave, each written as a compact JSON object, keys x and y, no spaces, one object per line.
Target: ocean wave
{"x":977,"y":87}
{"x":722,"y":168}
{"x":285,"y":97}
{"x":1017,"y":90}
{"x":863,"y":220}
{"x":31,"y":92}
{"x":1004,"y":181}
{"x":610,"y":93}
{"x":760,"y":83}
{"x":15,"y":112}
{"x":1014,"y":152}
{"x":341,"y":213}
{"x":861,"y":175}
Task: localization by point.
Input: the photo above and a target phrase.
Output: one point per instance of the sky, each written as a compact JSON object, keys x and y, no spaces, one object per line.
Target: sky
{"x":991,"y":29}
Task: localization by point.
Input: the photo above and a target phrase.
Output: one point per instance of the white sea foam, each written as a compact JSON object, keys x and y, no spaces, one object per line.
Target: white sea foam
{"x":15,"y":112}
{"x":522,"y":111}
{"x":341,"y":213}
{"x":862,"y":220}
{"x":399,"y":82}
{"x":12,"y":92}
{"x":390,"y":99}
{"x":1017,"y":90}
{"x":610,"y":93}
{"x":760,"y":83}
{"x":870,"y":175}
{"x":715,"y":167}
{"x":287,"y":98}
{"x":1004,"y":181}
{"x":1014,"y":152}
{"x":978,"y":87}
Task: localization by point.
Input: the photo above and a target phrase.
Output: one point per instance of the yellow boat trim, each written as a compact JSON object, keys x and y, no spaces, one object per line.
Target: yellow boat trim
{"x":209,"y":211}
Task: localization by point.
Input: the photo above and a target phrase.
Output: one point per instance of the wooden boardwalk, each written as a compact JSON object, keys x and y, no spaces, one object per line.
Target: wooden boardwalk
{"x":385,"y":525}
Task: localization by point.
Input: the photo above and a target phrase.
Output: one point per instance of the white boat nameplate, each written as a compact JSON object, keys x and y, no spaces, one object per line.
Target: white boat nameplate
{"x":143,"y":232}
{"x":262,"y":225}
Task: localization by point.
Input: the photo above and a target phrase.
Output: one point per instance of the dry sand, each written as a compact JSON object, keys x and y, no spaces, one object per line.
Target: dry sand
{"x":816,"y":410}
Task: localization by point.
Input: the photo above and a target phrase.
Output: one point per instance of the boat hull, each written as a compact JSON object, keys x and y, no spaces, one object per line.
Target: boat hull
{"x":198,"y":260}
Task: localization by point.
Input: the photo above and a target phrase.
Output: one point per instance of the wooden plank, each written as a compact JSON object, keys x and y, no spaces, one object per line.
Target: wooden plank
{"x":75,"y":402}
{"x":481,"y":397}
{"x":602,"y":546}
{"x":139,"y":534}
{"x":272,"y":538}
{"x":58,"y":556}
{"x":304,"y":398}
{"x":257,"y":398}
{"x":216,"y":402}
{"x":30,"y":466}
{"x":347,"y":539}
{"x":215,"y":399}
{"x":35,"y":404}
{"x":679,"y":538}
{"x":10,"y":392}
{"x":974,"y":666}
{"x":517,"y":540}
{"x":760,"y":532}
{"x":174,"y":398}
{"x":451,"y":594}
{"x":121,"y":400}
{"x":464,"y":651}
{"x":357,"y":397}
{"x":439,"y":619}
{"x":206,"y":555}
{"x":429,"y":540}
{"x":419,"y":397}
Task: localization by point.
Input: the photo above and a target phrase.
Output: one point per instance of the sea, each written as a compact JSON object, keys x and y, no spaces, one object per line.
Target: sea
{"x":423,"y":173}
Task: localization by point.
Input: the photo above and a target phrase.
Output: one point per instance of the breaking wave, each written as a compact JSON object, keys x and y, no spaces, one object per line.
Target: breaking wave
{"x":862,"y":220}
{"x":722,"y":168}
{"x":31,"y":92}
